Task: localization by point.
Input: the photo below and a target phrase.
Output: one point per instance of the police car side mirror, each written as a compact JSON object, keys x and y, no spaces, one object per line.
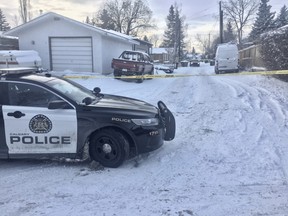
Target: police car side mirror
{"x":58,"y":104}
{"x":87,"y":100}
{"x":96,"y":90}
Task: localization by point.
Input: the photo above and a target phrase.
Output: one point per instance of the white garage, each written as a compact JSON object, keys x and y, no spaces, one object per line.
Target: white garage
{"x":66,"y":44}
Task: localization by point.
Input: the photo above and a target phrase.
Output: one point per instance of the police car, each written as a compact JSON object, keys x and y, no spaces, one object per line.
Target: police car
{"x":46,"y":116}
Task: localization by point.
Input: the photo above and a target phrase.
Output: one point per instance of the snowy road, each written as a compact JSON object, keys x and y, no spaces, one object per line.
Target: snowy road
{"x":229,"y":157}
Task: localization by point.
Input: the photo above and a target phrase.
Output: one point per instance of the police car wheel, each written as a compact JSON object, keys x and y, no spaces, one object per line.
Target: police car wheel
{"x":109,"y":147}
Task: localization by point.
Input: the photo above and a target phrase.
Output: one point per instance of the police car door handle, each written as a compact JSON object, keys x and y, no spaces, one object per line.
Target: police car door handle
{"x":16,"y":114}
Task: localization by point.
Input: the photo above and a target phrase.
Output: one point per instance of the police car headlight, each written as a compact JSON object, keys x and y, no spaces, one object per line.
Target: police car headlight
{"x":146,"y":122}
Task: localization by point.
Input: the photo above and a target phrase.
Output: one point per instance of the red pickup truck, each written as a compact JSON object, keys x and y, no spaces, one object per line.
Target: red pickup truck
{"x":132,"y":63}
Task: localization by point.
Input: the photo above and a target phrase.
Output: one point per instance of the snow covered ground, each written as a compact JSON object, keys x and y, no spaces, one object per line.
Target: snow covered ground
{"x":229,"y":157}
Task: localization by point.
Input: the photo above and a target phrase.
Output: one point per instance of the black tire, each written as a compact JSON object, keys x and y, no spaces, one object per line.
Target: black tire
{"x":151,"y":73}
{"x":109,"y":147}
{"x":117,"y":74}
{"x":141,"y":79}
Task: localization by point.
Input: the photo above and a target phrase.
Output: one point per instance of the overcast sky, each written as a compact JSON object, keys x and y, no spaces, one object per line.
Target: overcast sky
{"x":201,"y":15}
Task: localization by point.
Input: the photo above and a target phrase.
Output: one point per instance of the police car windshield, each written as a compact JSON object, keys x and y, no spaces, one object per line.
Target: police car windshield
{"x":72,"y":90}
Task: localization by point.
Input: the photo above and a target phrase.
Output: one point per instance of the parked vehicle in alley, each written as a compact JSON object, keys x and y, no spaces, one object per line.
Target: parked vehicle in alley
{"x":227,"y":58}
{"x":195,"y":61}
{"x":132,"y":63}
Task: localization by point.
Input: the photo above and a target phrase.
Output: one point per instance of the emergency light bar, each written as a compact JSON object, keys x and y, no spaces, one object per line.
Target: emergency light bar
{"x":20,"y":70}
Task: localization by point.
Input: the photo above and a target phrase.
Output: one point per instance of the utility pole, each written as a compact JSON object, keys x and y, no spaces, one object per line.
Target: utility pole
{"x":221,"y":22}
{"x":209,"y":42}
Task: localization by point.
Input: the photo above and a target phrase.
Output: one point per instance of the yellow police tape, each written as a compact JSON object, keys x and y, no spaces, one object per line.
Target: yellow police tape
{"x":146,"y":76}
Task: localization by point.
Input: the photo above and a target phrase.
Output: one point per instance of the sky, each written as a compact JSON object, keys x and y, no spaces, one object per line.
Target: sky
{"x":200,"y":15}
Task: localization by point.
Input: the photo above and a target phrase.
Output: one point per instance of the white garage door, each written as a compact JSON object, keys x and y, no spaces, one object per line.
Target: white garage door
{"x":71,"y":54}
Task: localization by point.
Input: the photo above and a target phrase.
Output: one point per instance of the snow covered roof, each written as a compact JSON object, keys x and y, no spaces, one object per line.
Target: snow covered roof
{"x":7,"y":36}
{"x":51,"y":15}
{"x":161,"y":50}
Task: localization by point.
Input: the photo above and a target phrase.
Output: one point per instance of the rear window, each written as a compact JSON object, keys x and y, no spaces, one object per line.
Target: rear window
{"x":227,"y":52}
{"x":131,"y":56}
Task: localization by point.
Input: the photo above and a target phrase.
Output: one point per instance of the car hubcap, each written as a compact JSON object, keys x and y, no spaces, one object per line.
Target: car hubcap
{"x":107,"y":149}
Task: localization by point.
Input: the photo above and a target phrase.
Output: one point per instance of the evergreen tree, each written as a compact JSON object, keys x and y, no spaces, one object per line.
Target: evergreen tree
{"x":174,"y":35}
{"x":4,"y":25}
{"x":264,"y":21}
{"x":229,"y":35}
{"x":193,"y":51}
{"x":87,"y":20}
{"x":145,"y":38}
{"x":105,"y":20}
{"x":282,"y":18}
{"x":169,"y":34}
{"x":180,"y":36}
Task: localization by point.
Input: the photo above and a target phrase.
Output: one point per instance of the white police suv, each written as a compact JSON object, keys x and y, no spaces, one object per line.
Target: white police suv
{"x":46,"y":116}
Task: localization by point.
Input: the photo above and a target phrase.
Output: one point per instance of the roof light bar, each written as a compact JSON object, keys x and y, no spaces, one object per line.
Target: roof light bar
{"x":19,"y":70}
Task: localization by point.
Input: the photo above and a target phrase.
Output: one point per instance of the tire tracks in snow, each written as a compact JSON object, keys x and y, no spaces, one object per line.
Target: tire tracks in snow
{"x":272,"y":123}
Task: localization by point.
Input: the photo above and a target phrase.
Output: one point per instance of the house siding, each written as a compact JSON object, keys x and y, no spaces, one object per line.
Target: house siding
{"x":112,"y":49}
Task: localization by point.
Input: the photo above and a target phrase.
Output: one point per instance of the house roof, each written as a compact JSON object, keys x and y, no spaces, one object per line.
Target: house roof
{"x":6,"y":36}
{"x":161,"y":50}
{"x":51,"y":15}
{"x":143,"y":42}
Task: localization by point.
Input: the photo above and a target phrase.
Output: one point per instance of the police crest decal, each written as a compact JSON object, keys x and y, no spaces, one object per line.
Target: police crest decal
{"x":40,"y":124}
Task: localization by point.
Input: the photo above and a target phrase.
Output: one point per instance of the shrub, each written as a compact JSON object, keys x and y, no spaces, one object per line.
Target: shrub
{"x":274,"y":49}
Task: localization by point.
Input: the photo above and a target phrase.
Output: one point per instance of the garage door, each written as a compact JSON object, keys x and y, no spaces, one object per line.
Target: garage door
{"x":71,"y":54}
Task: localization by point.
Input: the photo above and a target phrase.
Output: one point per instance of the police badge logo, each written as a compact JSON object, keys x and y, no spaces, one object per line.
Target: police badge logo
{"x":40,"y":124}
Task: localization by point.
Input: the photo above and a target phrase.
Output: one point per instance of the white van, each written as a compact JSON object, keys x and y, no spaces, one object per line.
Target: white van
{"x":19,"y":58}
{"x":227,"y":58}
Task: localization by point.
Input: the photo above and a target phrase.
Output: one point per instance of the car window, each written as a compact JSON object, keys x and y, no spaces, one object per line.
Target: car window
{"x":71,"y":90}
{"x":21,"y":94}
{"x":147,"y":58}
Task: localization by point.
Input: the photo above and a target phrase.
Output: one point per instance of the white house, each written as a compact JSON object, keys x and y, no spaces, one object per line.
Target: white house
{"x":66,"y":44}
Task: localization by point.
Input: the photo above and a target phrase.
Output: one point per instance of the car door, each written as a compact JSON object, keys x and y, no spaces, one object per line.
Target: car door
{"x":3,"y":146}
{"x":32,"y":128}
{"x":148,"y":64}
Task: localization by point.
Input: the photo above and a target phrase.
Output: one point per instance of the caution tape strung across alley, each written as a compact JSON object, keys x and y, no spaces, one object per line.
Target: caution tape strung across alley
{"x":245,"y":73}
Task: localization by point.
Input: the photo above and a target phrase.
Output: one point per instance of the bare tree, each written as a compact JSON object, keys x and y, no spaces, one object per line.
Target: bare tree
{"x":24,"y":9}
{"x":155,"y":38}
{"x":16,"y":20}
{"x":125,"y":16}
{"x":203,"y":42}
{"x":240,"y":13}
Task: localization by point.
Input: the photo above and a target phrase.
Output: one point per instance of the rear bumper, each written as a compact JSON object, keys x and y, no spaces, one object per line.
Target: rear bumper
{"x":228,"y":70}
{"x":194,"y":63}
